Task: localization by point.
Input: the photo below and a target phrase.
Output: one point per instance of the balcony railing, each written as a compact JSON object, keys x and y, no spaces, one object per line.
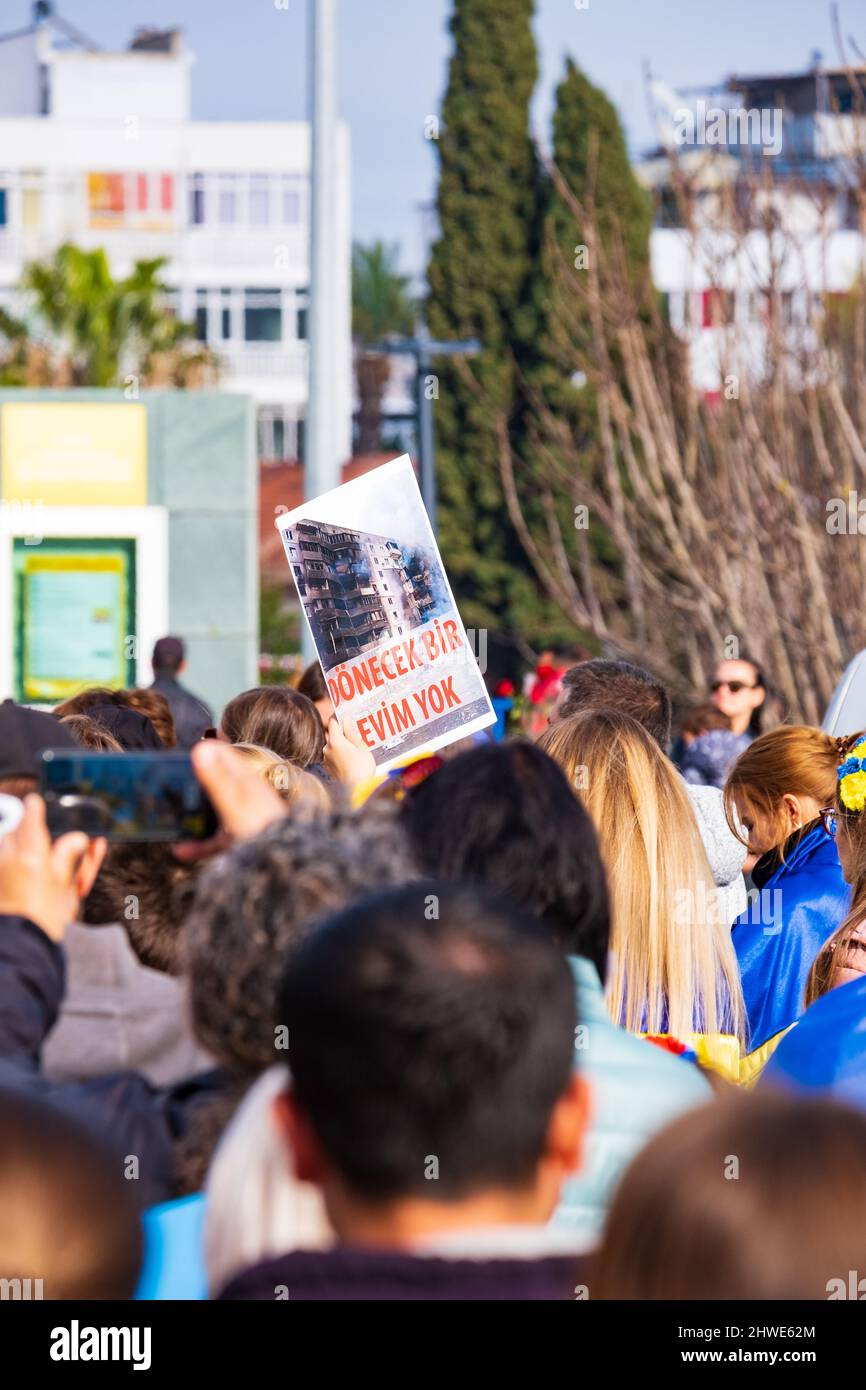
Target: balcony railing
{"x":264,"y":359}
{"x":185,"y":247}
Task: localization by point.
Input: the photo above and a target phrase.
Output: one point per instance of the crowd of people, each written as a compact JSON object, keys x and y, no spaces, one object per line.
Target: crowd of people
{"x":572,"y":1015}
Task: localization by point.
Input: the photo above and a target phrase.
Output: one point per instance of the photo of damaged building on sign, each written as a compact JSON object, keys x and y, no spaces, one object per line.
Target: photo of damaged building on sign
{"x":358,"y":588}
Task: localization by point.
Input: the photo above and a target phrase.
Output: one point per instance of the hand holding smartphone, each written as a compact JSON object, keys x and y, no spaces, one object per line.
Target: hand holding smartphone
{"x":125,"y":796}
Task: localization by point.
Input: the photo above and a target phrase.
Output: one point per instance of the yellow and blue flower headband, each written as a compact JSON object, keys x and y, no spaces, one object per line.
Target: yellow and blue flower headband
{"x":852,"y":778}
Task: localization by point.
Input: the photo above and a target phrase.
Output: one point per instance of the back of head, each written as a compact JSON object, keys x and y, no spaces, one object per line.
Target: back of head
{"x":89,"y":733}
{"x":429,"y":1021}
{"x":619,"y":687}
{"x":256,"y":904}
{"x":702,"y":718}
{"x":67,"y":1216}
{"x":758,"y":1196}
{"x":155,"y":707}
{"x":143,"y":888}
{"x":24,"y":735}
{"x":132,"y":729}
{"x":312,"y":683}
{"x":168,"y":656}
{"x":504,"y":816}
{"x":234,"y":716}
{"x":297,"y":788}
{"x":672,"y":967}
{"x":84,"y":701}
{"x":278,"y":718}
{"x":793,"y":759}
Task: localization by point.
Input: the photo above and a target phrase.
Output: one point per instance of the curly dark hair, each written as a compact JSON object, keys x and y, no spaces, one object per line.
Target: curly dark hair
{"x":144,"y":889}
{"x":260,"y":901}
{"x":251,"y":909}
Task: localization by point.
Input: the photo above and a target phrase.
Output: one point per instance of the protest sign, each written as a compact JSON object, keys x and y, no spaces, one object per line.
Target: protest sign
{"x":393,"y":650}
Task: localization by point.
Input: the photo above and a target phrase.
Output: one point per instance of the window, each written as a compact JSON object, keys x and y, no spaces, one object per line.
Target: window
{"x":31,"y":207}
{"x":263,"y":316}
{"x":130,"y":199}
{"x":201,"y":315}
{"x":291,"y":201}
{"x":105,"y":198}
{"x":259,"y":200}
{"x":717,"y":308}
{"x":196,"y":203}
{"x":278,"y":439}
{"x":302,"y":300}
{"x":227,"y":199}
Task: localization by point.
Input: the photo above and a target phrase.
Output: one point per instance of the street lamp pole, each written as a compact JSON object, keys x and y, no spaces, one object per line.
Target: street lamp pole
{"x":424,"y":348}
{"x":321,"y":453}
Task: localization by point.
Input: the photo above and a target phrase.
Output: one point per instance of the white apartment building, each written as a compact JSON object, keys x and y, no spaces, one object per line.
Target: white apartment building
{"x":771,"y":164}
{"x":99,"y":148}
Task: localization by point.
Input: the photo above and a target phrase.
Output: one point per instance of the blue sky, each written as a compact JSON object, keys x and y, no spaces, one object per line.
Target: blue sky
{"x":252,"y":64}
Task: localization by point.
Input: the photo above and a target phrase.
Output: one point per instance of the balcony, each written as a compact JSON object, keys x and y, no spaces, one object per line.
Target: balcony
{"x":189,"y":249}
{"x":359,"y":591}
{"x":265,"y":361}
{"x":369,"y":624}
{"x":263,"y":248}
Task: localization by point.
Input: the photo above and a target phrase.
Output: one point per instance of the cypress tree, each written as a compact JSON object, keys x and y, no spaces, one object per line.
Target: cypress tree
{"x":589,"y":151}
{"x":480,"y":280}
{"x":590,"y":154}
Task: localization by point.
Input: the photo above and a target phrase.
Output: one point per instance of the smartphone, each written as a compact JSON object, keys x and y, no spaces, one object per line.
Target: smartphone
{"x":125,"y":796}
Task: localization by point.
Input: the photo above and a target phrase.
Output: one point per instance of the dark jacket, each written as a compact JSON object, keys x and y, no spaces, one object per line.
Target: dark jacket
{"x":191,"y":715}
{"x":346,"y":1273}
{"x":142,"y":1122}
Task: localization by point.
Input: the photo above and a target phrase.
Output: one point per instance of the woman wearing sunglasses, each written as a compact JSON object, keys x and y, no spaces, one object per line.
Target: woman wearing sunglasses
{"x":738,"y":690}
{"x":775,"y":793}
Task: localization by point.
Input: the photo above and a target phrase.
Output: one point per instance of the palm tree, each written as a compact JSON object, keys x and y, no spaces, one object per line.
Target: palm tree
{"x":84,"y":328}
{"x":381,"y":306}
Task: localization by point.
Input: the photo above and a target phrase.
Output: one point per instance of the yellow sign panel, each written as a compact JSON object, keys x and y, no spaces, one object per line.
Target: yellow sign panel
{"x":74,"y":455}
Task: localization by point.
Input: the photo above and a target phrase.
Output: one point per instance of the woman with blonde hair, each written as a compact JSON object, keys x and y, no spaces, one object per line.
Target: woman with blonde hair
{"x":673,"y":969}
{"x":777,"y":790}
{"x":294,"y":784}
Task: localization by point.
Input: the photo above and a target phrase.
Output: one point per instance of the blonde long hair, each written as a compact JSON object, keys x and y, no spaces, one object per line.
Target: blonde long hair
{"x":673,"y":967}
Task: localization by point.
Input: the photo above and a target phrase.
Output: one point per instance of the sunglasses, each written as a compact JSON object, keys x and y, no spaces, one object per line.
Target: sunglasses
{"x":829,"y":819}
{"x":734,"y":686}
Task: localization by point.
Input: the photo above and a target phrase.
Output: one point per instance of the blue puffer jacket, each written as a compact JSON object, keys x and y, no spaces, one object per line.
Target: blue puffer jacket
{"x":800,"y":904}
{"x":636,"y":1088}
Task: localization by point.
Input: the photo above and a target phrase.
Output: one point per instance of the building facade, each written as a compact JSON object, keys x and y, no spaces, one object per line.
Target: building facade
{"x":357,"y":588}
{"x":760,"y":212}
{"x":100,"y":149}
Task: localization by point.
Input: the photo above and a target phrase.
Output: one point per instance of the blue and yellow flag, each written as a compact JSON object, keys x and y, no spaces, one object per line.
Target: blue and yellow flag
{"x":799,"y":904}
{"x":826,"y":1051}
